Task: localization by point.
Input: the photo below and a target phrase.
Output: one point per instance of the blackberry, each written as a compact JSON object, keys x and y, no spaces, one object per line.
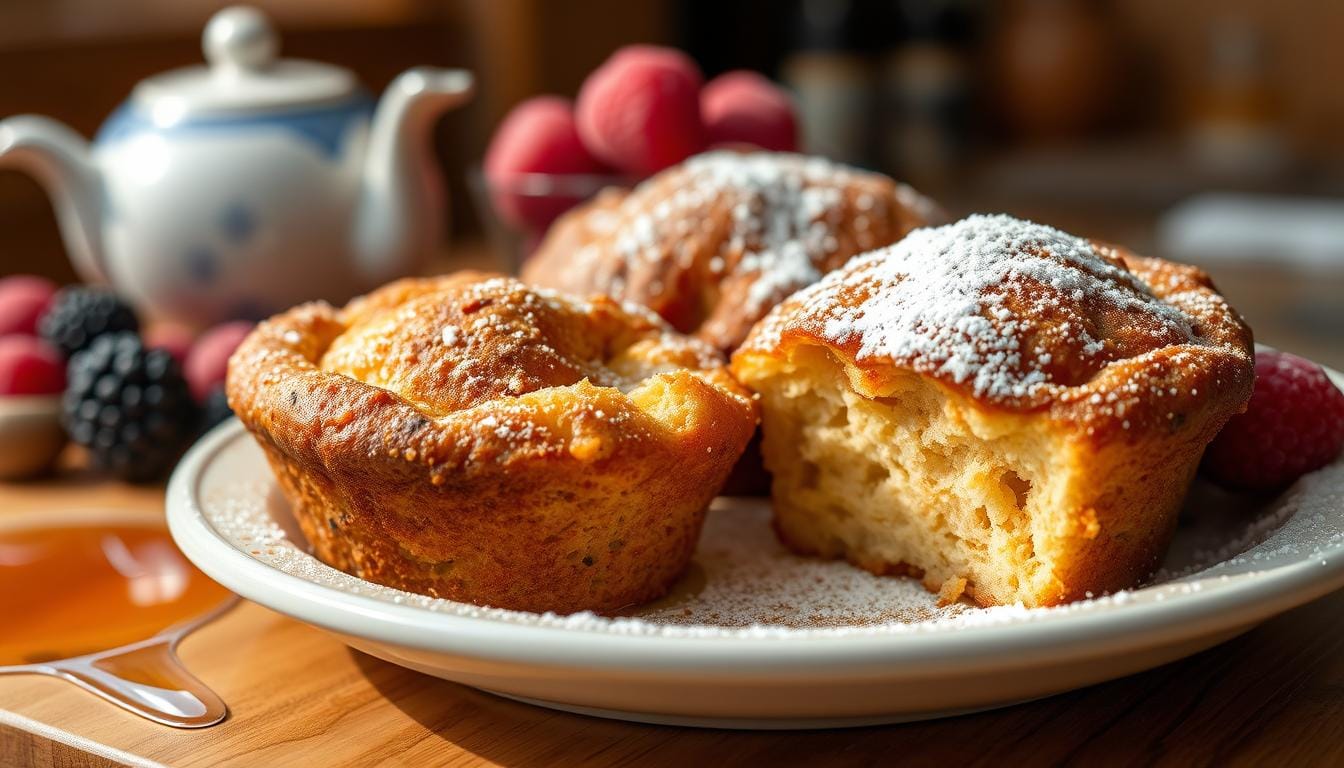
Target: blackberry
{"x":79,"y":314}
{"x":129,"y":406}
{"x":215,"y":410}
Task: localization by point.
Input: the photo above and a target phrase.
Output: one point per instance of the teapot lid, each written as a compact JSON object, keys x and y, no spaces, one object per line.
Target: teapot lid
{"x":244,"y":74}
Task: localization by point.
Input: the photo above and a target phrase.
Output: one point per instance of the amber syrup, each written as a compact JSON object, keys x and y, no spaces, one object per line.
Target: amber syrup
{"x":70,"y":590}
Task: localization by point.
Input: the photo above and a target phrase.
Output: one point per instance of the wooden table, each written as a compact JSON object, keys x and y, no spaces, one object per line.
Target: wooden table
{"x":300,"y":697}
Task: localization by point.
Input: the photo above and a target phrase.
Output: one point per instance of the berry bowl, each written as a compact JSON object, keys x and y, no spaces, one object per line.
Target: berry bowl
{"x":30,"y":434}
{"x":516,"y":211}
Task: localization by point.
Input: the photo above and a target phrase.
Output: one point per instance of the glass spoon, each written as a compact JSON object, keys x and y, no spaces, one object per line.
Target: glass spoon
{"x":102,"y":601}
{"x":146,"y":678}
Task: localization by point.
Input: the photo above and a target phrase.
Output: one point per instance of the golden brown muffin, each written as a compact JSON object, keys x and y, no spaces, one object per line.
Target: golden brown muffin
{"x":1007,"y":410}
{"x":714,"y":243}
{"x":472,"y":438}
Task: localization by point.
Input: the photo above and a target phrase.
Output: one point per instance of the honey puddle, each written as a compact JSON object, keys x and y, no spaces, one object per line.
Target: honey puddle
{"x":71,"y":590}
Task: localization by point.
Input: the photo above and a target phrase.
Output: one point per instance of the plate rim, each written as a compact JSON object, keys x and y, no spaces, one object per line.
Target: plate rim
{"x":933,"y":652}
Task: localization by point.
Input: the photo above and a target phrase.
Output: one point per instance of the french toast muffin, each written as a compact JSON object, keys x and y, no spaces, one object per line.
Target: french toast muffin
{"x":473,"y":438}
{"x":713,"y":243}
{"x":1005,"y":410}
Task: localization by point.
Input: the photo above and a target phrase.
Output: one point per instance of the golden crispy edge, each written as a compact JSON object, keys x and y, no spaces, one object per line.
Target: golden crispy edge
{"x":276,"y":385}
{"x":404,"y":489}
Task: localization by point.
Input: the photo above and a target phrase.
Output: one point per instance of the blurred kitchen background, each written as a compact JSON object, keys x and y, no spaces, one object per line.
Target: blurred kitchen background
{"x":1209,"y":131}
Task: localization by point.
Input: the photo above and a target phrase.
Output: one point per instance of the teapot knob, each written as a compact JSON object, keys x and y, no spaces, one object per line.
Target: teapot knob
{"x":240,"y":38}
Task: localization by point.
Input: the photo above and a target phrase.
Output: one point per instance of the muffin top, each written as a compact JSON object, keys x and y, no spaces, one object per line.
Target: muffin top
{"x":1024,"y":317}
{"x":452,"y":344}
{"x":468,"y":371}
{"x":714,"y":243}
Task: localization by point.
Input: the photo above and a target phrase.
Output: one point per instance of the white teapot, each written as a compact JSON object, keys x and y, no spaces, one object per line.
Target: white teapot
{"x":242,"y":188}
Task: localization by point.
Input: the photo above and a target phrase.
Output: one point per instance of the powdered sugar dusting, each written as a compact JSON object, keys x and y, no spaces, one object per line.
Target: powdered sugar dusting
{"x":782,"y":221}
{"x":948,"y":300}
{"x":744,"y":584}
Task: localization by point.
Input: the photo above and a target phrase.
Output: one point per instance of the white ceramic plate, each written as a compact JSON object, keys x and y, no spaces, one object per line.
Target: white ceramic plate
{"x":757,"y":638}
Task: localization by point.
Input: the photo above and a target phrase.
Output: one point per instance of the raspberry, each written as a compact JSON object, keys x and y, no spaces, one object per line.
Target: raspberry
{"x":23,"y":299}
{"x":129,"y":407}
{"x":640,"y":110}
{"x":208,"y":360}
{"x":742,"y":107}
{"x":29,"y":366}
{"x":1294,"y":424}
{"x":78,"y":315}
{"x":537,"y":137}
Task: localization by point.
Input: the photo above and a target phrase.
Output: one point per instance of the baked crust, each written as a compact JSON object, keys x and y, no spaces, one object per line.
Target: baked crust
{"x":1169,"y":350}
{"x":1119,"y":368}
{"x":714,"y":243}
{"x":471,"y":438}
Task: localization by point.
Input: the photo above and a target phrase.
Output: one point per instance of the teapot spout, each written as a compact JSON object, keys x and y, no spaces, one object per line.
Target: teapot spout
{"x":61,"y":160}
{"x":399,"y":219}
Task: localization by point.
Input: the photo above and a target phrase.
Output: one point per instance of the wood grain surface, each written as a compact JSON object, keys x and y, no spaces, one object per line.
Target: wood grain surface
{"x":300,"y":697}
{"x":1274,"y":696}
